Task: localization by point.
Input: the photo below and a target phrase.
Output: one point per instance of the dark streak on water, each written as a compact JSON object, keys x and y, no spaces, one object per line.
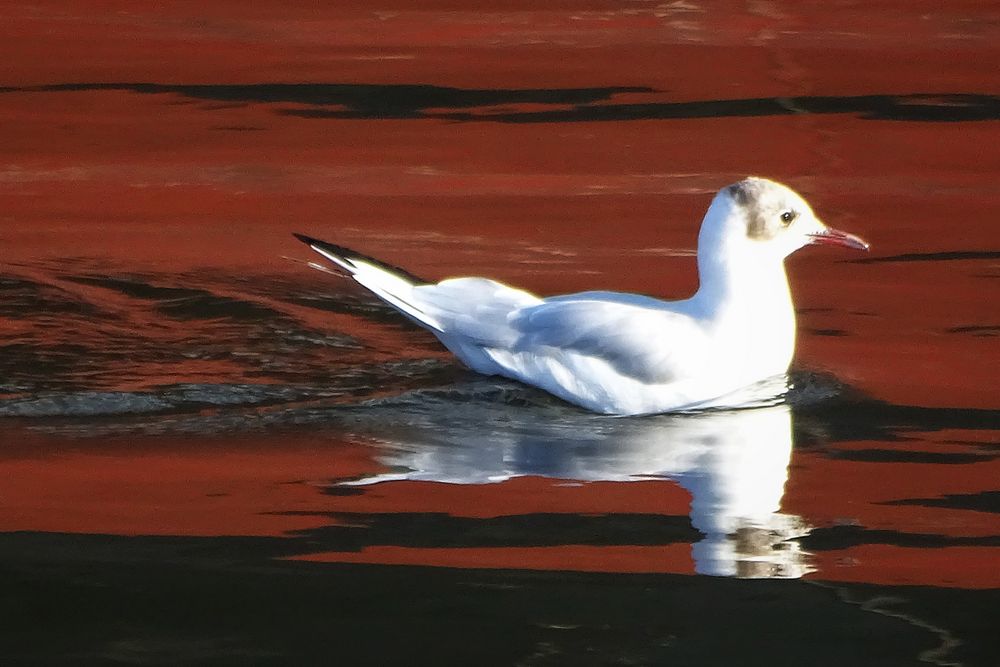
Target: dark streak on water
{"x":828,"y":332}
{"x":949,"y":256}
{"x":909,"y":456}
{"x":373,"y":101}
{"x":853,"y":417}
{"x":977,"y":330}
{"x":364,"y":100}
{"x":843,"y":537}
{"x":987,"y":501}
{"x":352,"y":532}
{"x":238,"y":128}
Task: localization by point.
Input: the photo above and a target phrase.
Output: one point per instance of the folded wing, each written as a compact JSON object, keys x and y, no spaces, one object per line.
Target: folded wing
{"x":640,"y":342}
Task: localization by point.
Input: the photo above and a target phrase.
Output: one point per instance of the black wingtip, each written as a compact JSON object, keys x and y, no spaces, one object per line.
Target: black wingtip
{"x":308,"y":240}
{"x":347,"y":253}
{"x":326,"y":246}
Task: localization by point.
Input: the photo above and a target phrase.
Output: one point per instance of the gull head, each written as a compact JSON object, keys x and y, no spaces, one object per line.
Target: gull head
{"x":757,"y":217}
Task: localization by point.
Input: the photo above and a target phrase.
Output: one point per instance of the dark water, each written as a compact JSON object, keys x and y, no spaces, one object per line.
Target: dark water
{"x":478,"y":518}
{"x":213,"y":455}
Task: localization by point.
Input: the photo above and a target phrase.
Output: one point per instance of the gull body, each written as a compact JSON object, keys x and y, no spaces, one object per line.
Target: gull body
{"x":629,"y":354}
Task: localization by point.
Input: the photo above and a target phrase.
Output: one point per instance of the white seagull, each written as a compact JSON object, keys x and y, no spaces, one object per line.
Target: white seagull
{"x":629,"y":354}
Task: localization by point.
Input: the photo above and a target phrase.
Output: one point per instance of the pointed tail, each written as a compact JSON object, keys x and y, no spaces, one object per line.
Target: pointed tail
{"x":346,"y":258}
{"x":389,"y":283}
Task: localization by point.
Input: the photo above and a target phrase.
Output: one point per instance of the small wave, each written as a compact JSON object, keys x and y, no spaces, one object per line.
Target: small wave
{"x":482,"y":399}
{"x":809,"y":388}
{"x":799,"y":389}
{"x":171,"y":398}
{"x":480,"y":390}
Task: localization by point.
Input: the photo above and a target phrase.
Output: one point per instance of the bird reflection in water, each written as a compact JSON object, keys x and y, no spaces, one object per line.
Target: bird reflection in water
{"x":734,"y":464}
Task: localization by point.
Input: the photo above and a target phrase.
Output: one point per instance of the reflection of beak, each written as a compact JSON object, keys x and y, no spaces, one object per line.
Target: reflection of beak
{"x":831,"y":236}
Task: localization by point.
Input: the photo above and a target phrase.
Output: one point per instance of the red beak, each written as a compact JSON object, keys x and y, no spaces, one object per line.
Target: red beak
{"x":831,"y":236}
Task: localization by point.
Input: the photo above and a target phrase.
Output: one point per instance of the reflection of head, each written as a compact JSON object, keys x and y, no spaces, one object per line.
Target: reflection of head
{"x":734,"y":464}
{"x":755,"y":551}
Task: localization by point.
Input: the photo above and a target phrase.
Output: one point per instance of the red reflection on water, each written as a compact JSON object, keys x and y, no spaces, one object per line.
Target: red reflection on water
{"x":184,"y":487}
{"x":199,"y":487}
{"x":949,"y":567}
{"x":168,"y":183}
{"x":856,"y":492}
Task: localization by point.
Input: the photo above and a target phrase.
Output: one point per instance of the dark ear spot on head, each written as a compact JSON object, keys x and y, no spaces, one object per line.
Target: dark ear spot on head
{"x":757,"y":227}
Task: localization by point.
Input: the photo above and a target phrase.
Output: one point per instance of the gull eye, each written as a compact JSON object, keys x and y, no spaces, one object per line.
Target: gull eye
{"x":787,"y":217}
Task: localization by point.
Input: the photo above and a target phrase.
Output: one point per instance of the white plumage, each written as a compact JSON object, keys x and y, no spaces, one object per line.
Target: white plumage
{"x":630,"y":354}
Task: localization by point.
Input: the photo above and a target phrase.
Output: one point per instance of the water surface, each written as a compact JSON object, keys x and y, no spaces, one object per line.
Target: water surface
{"x":212,"y":454}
